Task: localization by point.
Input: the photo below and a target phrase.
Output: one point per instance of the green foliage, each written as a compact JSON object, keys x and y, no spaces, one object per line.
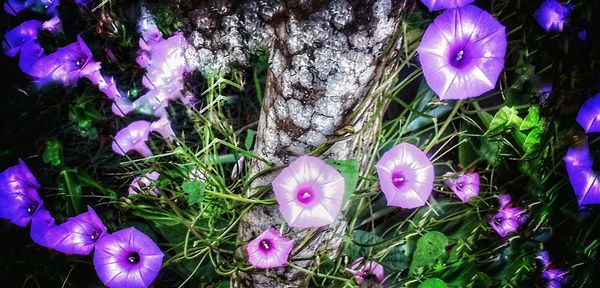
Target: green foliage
{"x":349,"y":169}
{"x":84,"y":114}
{"x":433,"y":283}
{"x":194,"y":191}
{"x":53,"y":153}
{"x":430,"y":251}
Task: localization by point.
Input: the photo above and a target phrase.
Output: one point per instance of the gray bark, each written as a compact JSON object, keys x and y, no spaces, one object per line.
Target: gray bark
{"x":325,"y":57}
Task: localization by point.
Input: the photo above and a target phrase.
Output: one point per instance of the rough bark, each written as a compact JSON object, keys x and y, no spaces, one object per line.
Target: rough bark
{"x":325,"y":57}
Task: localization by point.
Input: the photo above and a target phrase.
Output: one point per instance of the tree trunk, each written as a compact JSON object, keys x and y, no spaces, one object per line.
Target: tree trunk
{"x":325,"y":58}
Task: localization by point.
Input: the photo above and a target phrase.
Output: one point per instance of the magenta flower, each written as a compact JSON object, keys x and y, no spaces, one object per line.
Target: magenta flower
{"x":19,"y":199}
{"x":462,"y":53}
{"x":309,"y":192}
{"x":269,"y":250}
{"x":369,"y":274}
{"x":133,"y":138}
{"x":405,"y":176}
{"x":127,"y":259}
{"x":77,"y":235}
{"x":465,"y":187}
{"x":434,"y":5}
{"x":582,"y":176}
{"x":589,"y":115}
{"x":508,"y":219}
{"x":15,"y":38}
{"x":66,"y":65}
{"x":144,"y":183}
{"x":552,"y":15}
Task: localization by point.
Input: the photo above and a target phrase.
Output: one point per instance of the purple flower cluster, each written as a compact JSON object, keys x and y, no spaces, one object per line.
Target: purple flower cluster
{"x":64,"y":66}
{"x":126,"y":258}
{"x":165,"y":67}
{"x":508,"y":219}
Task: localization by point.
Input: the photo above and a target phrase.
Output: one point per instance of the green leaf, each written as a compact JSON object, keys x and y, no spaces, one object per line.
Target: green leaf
{"x":53,"y":153}
{"x":505,"y":118}
{"x":467,"y":150}
{"x":250,"y":135}
{"x":348,"y":169}
{"x":490,"y":151}
{"x":194,"y":191}
{"x":532,"y":119}
{"x":396,"y":259}
{"x":361,"y":244}
{"x":433,"y":283}
{"x":532,"y":142}
{"x":430,"y":249}
{"x":480,"y":280}
{"x":70,"y":187}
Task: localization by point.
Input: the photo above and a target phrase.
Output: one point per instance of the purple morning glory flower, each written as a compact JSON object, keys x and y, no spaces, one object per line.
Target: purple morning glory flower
{"x":15,"y":38}
{"x":14,"y":7}
{"x":66,"y":65}
{"x":19,"y":199}
{"x":122,"y":106}
{"x":589,"y":115}
{"x":154,"y":102}
{"x":77,"y":235}
{"x":555,"y":278}
{"x":583,"y":178}
{"x":133,"y":138}
{"x":309,"y":192}
{"x":42,"y":224}
{"x":508,"y":219}
{"x":544,"y":258}
{"x":31,"y":53}
{"x":369,"y":274}
{"x":465,"y":187}
{"x":582,"y":35}
{"x":163,"y":127}
{"x":54,"y":25}
{"x":434,"y":5}
{"x":405,"y":176}
{"x":552,"y":15}
{"x":144,"y":184}
{"x":269,"y":250}
{"x":166,"y":64}
{"x":462,"y":53}
{"x":127,"y":259}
